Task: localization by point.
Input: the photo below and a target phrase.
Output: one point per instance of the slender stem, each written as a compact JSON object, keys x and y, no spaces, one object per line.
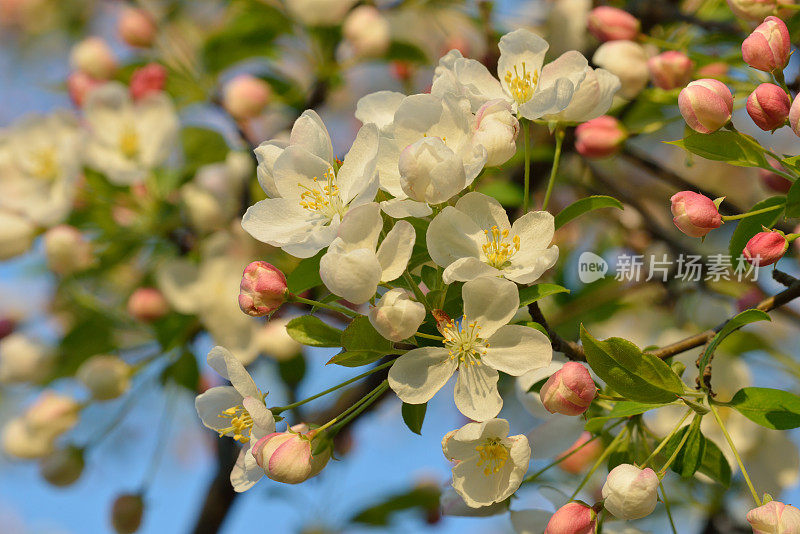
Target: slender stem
{"x":560,"y":459}
{"x":428,"y":336}
{"x":317,"y":304}
{"x":279,"y":409}
{"x":749,"y":213}
{"x":554,"y":170}
{"x":527,"y":184}
{"x":666,"y":506}
{"x":667,"y":438}
{"x":606,"y":453}
{"x":415,"y":288}
{"x":677,"y":450}
{"x":778,"y":74}
{"x":735,"y":453}
{"x":162,"y":436}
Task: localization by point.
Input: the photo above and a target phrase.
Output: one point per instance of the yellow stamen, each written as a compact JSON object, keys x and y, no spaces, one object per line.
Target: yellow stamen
{"x":323,"y":197}
{"x":46,"y":165}
{"x":493,"y":455}
{"x":241,"y":422}
{"x":462,"y":340}
{"x":498,"y":249}
{"x":522,"y":86}
{"x":129,"y":142}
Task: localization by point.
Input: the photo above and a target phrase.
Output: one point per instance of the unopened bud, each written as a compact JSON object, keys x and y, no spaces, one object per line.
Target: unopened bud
{"x":63,"y":467}
{"x":774,"y":181}
{"x":496,"y":129}
{"x":768,"y":106}
{"x":66,"y":249}
{"x":147,"y":80}
{"x":262,"y":290}
{"x":768,"y":47}
{"x":794,"y":116}
{"x":94,"y":57}
{"x":147,"y":304}
{"x":137,"y":27}
{"x":706,"y":105}
{"x":246,"y":96}
{"x":126,"y":513}
{"x":586,"y":452}
{"x":612,"y":24}
{"x":287,"y":456}
{"x":670,"y":70}
{"x":694,"y":214}
{"x":765,"y":248}
{"x":23,"y":359}
{"x":600,"y":138}
{"x":628,"y":61}
{"x":105,"y":376}
{"x":367,"y":30}
{"x":572,"y":518}
{"x":774,"y":517}
{"x":79,"y":85}
{"x":570,"y":391}
{"x":395,"y":316}
{"x":630,"y":492}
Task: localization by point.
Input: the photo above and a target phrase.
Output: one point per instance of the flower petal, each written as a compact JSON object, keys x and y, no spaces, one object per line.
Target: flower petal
{"x":526,"y":267}
{"x":263,"y":419}
{"x":223,"y":362}
{"x":361,"y":227}
{"x":535,"y":229}
{"x":417,"y":375}
{"x":266,"y":154}
{"x":400,"y":208}
{"x":245,"y":472}
{"x":358,"y":172}
{"x":378,"y":108}
{"x":395,"y":250}
{"x":476,"y":393}
{"x":296,"y":170}
{"x":212,"y":402}
{"x":516,"y":349}
{"x":310,"y":133}
{"x":353,"y":275}
{"x":452,"y":235}
{"x":484,"y":210}
{"x":280,"y":221}
{"x":466,"y":269}
{"x":492,"y":302}
{"x":517,"y":47}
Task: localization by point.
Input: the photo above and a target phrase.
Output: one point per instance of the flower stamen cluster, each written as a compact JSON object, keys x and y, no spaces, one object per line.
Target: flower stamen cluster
{"x":493,"y":455}
{"x":522,"y":87}
{"x":498,"y":251}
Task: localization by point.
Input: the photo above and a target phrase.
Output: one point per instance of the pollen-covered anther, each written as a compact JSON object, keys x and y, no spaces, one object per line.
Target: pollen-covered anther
{"x":521,"y":86}
{"x":241,"y":422}
{"x":498,"y":248}
{"x":323,"y":197}
{"x":493,"y":455}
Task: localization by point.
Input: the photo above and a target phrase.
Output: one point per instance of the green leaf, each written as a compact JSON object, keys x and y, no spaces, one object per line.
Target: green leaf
{"x":750,"y":226}
{"x":772,"y":408}
{"x":746,"y":317}
{"x":620,"y":409}
{"x":528,"y":295}
{"x":508,"y":194}
{"x":202,"y":146}
{"x":355,"y":358}
{"x":637,"y":375}
{"x":431,"y":278}
{"x":584,"y":205}
{"x":425,"y":498}
{"x":305,"y":275}
{"x":793,"y":200}
{"x":538,"y":327}
{"x":714,"y":464}
{"x":404,"y":51}
{"x":731,"y":147}
{"x":414,"y":415}
{"x":360,"y":335}
{"x":312,"y":331}
{"x":691,"y":455}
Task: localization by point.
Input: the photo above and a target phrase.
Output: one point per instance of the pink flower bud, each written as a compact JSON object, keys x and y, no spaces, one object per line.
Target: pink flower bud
{"x":94,"y":57}
{"x":694,"y":214}
{"x":246,"y":96}
{"x":126,"y":513}
{"x":147,"y":80}
{"x":768,"y":47}
{"x":572,"y":518}
{"x":79,"y":85}
{"x":147,"y":304}
{"x":137,"y":27}
{"x":774,"y":181}
{"x":569,"y":391}
{"x":263,"y":289}
{"x":670,"y":70}
{"x":768,"y":106}
{"x":774,"y":518}
{"x":600,"y":137}
{"x":765,"y":248}
{"x":706,"y":105}
{"x":575,"y":462}
{"x":758,"y":9}
{"x":612,"y":24}
{"x":630,"y":492}
{"x":286,"y":456}
{"x":794,"y":116}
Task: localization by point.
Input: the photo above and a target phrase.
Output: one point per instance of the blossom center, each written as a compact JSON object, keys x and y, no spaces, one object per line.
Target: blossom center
{"x":462,"y":340}
{"x":521,"y":85}
{"x":493,"y":456}
{"x":241,"y":422}
{"x":498,"y":248}
{"x":45,"y":164}
{"x":323,"y":197}
{"x":129,"y":142}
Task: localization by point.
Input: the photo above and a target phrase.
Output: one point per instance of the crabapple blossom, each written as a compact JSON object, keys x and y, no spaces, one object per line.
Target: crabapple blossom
{"x":768,"y":106}
{"x":774,"y":517}
{"x":572,"y":518}
{"x":308,"y":195}
{"x":246,"y":96}
{"x":237,"y":411}
{"x":105,"y":376}
{"x":670,"y":69}
{"x":694,"y":214}
{"x":128,"y":139}
{"x":286,"y":456}
{"x":262,"y":290}
{"x":367,"y":31}
{"x":136,"y":27}
{"x":354,"y":264}
{"x":474,"y":239}
{"x":768,"y":47}
{"x":766,"y":248}
{"x":600,"y":138}
{"x":570,"y":391}
{"x":706,"y":105}
{"x":626,"y":60}
{"x":94,"y":57}
{"x":612,"y":24}
{"x":496,"y":129}
{"x":23,"y":359}
{"x":489,"y":464}
{"x":592,"y":98}
{"x":630,"y":492}
{"x":477,"y":345}
{"x":396,"y":316}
